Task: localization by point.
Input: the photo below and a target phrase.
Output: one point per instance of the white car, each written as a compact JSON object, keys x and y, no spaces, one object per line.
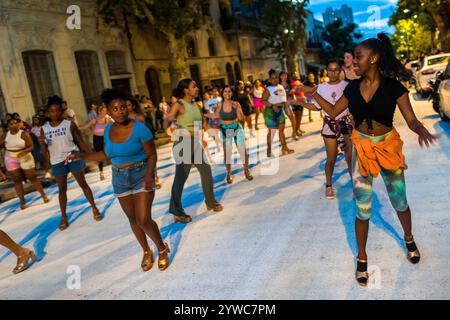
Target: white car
{"x":444,"y":95}
{"x":431,"y":65}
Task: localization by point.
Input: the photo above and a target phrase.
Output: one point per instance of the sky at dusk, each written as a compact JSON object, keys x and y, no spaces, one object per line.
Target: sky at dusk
{"x":371,"y":16}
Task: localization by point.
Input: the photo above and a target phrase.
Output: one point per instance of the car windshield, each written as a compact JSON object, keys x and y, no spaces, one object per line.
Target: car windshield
{"x":437,"y":60}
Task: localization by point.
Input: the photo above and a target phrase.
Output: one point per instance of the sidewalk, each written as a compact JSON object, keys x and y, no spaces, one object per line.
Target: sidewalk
{"x":8,"y":192}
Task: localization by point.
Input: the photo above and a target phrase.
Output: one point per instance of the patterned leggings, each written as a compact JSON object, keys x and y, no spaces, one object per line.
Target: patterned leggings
{"x":394,"y":181}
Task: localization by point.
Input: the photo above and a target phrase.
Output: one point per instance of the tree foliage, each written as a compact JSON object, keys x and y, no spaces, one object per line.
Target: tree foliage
{"x":173,"y":19}
{"x":339,"y":38}
{"x":411,"y":38}
{"x":433,"y":15}
{"x":284,"y":24}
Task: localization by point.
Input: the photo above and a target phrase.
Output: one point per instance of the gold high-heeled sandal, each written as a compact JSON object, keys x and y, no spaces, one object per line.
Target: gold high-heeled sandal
{"x":413,"y":254}
{"x":163,"y":258}
{"x":182,"y":219}
{"x":23,"y":261}
{"x":248,"y":175}
{"x":362,"y":277}
{"x":229,"y":178}
{"x":147,"y":260}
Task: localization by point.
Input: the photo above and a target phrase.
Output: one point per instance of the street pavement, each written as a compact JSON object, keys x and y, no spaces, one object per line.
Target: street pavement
{"x":277,"y":238}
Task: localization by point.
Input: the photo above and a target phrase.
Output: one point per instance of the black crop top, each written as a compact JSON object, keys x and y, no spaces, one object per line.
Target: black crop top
{"x":382,"y":106}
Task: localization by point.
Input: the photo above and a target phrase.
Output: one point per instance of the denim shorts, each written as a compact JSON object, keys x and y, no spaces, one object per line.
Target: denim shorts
{"x":129,"y":180}
{"x":62,"y":170}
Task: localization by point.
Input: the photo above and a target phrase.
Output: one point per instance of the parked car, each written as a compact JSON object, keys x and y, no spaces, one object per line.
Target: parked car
{"x":434,"y":95}
{"x":431,"y":65}
{"x":444,"y":94}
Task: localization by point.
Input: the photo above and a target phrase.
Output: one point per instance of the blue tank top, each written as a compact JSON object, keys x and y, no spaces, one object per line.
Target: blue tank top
{"x":131,"y":150}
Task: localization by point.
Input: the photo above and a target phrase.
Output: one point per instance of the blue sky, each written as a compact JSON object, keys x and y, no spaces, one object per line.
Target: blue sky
{"x":371,"y":16}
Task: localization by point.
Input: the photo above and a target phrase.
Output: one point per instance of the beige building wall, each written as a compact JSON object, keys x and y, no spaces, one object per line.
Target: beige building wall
{"x":41,"y":25}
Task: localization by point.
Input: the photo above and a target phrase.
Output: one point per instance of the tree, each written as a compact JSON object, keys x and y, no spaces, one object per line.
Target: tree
{"x":173,"y":19}
{"x":411,"y":38}
{"x":284,"y":29}
{"x":432,"y":14}
{"x":339,"y":38}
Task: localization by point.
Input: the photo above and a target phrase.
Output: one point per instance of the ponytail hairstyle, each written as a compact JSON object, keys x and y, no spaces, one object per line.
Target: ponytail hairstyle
{"x":178,"y":92}
{"x":388,"y":65}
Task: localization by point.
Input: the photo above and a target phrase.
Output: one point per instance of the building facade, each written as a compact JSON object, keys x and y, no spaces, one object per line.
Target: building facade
{"x":345,"y":13}
{"x":41,"y":56}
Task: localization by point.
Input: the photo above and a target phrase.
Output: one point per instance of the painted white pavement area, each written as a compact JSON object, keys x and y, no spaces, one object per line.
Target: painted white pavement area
{"x":278,"y":237}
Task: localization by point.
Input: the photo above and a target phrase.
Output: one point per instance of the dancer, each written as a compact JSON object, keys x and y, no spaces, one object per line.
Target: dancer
{"x":377,"y":147}
{"x":188,"y":149}
{"x":258,"y":107}
{"x":212,"y":104}
{"x":274,"y":99}
{"x":245,"y":100}
{"x":298,"y":109}
{"x":19,"y":161}
{"x":23,"y":255}
{"x":59,"y":138}
{"x":285,"y":82}
{"x":230,"y":112}
{"x":336,"y":130}
{"x":99,"y":123}
{"x":130,"y":146}
{"x":348,"y":71}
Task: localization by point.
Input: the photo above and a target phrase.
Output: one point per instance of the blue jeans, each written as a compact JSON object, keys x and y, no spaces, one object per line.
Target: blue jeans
{"x":129,"y":180}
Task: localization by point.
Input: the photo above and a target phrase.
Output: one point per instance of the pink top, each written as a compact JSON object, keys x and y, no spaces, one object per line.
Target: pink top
{"x":99,"y":126}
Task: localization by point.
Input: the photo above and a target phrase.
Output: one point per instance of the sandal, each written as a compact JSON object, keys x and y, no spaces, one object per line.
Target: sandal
{"x":413,"y":255}
{"x":97,"y":215}
{"x":163,"y":258}
{"x":23,"y":261}
{"x":361,"y":274}
{"x":64,"y":223}
{"x":147,"y":260}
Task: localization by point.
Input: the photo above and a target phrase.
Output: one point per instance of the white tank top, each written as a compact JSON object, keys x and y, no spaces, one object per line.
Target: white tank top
{"x":258,"y":92}
{"x":277,"y":94}
{"x":14,"y":142}
{"x":59,"y":141}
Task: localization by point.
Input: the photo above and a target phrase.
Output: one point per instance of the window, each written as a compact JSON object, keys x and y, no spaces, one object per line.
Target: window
{"x":437,"y":60}
{"x":90,"y":75}
{"x":230,"y":74}
{"x":212,"y":47}
{"x":116,"y":63}
{"x":237,"y":71}
{"x":191,"y":49}
{"x":41,"y":75}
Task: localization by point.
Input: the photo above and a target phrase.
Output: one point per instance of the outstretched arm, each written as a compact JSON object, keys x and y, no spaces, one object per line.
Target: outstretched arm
{"x":425,"y":137}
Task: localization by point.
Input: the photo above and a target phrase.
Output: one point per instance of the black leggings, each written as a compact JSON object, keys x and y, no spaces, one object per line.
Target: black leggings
{"x":98,"y":146}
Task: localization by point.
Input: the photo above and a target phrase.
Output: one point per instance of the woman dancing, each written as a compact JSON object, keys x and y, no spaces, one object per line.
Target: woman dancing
{"x":286,"y":83}
{"x":130,"y":146}
{"x":336,"y":130}
{"x":99,"y":123}
{"x":19,"y":161}
{"x":230,"y":112}
{"x":188,"y":149}
{"x":245,"y":100}
{"x":377,"y":147}
{"x":274,"y":99}
{"x":60,"y":138}
{"x":258,"y":107}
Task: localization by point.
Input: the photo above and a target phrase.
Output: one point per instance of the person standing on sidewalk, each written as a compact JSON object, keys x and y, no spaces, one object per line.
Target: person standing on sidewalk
{"x":377,"y":146}
{"x":23,"y":255}
{"x":61,"y":137}
{"x":99,"y":123}
{"x":257,"y":92}
{"x":131,"y":147}
{"x":19,"y":160}
{"x":188,"y":149}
